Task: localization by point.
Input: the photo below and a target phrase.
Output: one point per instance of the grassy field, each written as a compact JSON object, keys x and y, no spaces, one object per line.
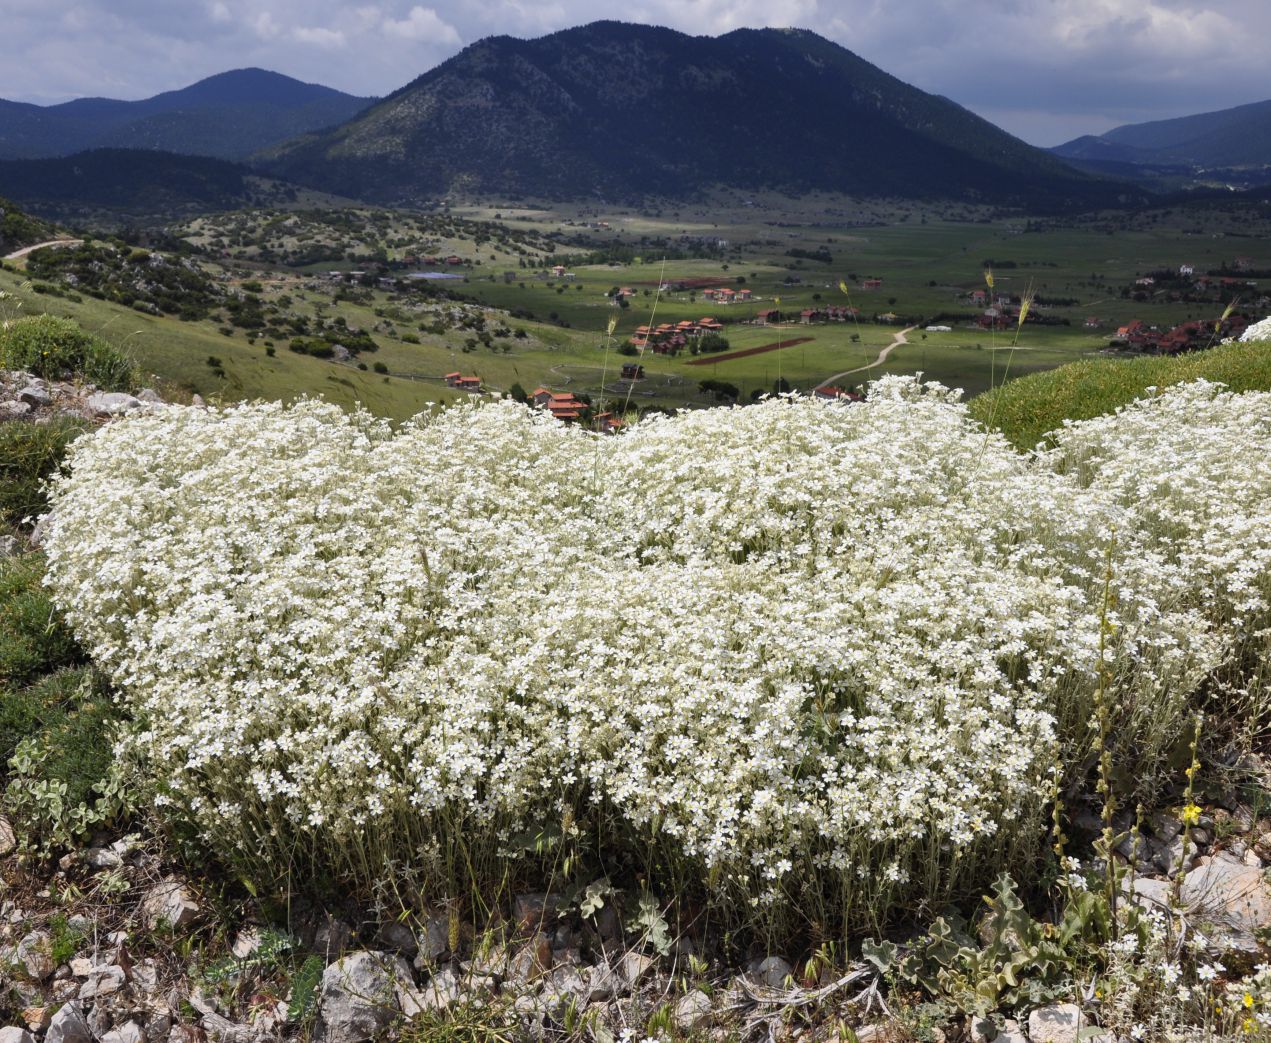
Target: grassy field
{"x":1025,"y":410}
{"x":928,"y":258}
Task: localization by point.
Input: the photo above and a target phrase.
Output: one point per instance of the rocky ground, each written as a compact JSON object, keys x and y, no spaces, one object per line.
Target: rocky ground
{"x":114,"y":945}
{"x":27,"y":397}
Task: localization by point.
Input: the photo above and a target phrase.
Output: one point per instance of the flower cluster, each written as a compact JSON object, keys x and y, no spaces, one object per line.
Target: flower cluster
{"x":823,"y":657}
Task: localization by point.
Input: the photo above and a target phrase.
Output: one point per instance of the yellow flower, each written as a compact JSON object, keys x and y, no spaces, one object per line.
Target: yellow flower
{"x":1249,"y":1000}
{"x":1190,"y":814}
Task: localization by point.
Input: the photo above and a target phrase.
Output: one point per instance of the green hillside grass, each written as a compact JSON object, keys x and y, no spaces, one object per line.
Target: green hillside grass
{"x":1026,"y":409}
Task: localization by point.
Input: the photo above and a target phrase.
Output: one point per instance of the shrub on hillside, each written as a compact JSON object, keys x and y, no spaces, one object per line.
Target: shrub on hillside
{"x":32,"y":638}
{"x":831,"y":669}
{"x":55,"y":349}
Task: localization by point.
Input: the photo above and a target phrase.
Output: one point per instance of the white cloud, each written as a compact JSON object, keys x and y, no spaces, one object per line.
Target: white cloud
{"x":422,"y":24}
{"x":264,"y":26}
{"x":318,"y":36}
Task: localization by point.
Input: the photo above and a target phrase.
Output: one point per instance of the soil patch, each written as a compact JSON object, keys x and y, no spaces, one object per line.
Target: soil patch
{"x":707,"y":360}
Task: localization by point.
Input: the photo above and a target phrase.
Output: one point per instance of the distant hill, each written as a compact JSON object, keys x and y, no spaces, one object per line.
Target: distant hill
{"x":617,"y":110}
{"x":228,"y":116}
{"x":1231,"y":138}
{"x":135,"y":181}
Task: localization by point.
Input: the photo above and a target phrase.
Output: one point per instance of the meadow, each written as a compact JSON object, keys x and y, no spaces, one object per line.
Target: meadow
{"x":929,"y":259}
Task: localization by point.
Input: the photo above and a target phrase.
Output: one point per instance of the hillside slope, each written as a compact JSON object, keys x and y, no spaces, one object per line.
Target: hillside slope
{"x":227,"y":116}
{"x":134,"y":180}
{"x":1235,"y":137}
{"x":615,"y":109}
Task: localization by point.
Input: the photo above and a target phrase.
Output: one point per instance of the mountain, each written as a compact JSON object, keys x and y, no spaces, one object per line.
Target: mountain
{"x":136,"y":181}
{"x":1238,"y":137}
{"x":611,"y":109}
{"x":228,"y":116}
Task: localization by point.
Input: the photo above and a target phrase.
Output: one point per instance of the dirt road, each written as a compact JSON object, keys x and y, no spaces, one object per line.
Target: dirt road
{"x":18,"y":254}
{"x":896,"y":342}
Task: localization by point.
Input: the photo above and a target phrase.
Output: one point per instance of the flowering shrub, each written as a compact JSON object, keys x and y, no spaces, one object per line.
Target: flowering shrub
{"x":1189,"y":467}
{"x":816,"y":660}
{"x":1257,"y":331}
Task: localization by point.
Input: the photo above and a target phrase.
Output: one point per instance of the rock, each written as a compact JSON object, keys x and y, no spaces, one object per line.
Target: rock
{"x":397,"y":936}
{"x":1170,"y":855}
{"x":1232,"y":894}
{"x":432,"y":939}
{"x":532,"y":911}
{"x":446,"y":984}
{"x":531,"y":961}
{"x":41,"y":529}
{"x":144,"y":976}
{"x":1131,"y":851}
{"x":38,"y":1018}
{"x":1010,"y":1033}
{"x":97,"y":1017}
{"x":10,"y":547}
{"x":1061,"y":1023}
{"x":1149,"y":892}
{"x":33,"y":952}
{"x":984,"y":1030}
{"x":562,"y":985}
{"x":128,"y":1032}
{"x":1165,"y":826}
{"x":693,"y":1011}
{"x":601,"y":983}
{"x":68,"y":1025}
{"x":609,"y":925}
{"x":1262,"y":847}
{"x":13,"y":1034}
{"x":197,"y":401}
{"x":111,"y":403}
{"x":874,"y":1034}
{"x":634,"y":966}
{"x":8,"y":839}
{"x":35,"y":396}
{"x":150,"y":395}
{"x":330,"y":936}
{"x":168,"y":902}
{"x":103,"y":981}
{"x":222,"y":1030}
{"x":14,"y":410}
{"x":246,"y":942}
{"x":102,"y":858}
{"x":773,"y":972}
{"x":358,"y":998}
{"x":183,"y":1033}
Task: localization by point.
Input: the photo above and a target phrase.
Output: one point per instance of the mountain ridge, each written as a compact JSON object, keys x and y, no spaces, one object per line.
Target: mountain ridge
{"x":228,"y":116}
{"x":1234,"y":137}
{"x":612,"y":108}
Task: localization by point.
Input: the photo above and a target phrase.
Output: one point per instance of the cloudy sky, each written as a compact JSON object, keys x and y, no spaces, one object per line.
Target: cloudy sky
{"x":1046,"y":70}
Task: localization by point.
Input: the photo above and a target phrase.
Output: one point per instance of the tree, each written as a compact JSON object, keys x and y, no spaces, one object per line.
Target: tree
{"x":518,"y":393}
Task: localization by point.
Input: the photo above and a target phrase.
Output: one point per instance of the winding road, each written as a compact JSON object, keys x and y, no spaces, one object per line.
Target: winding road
{"x":19,"y":254}
{"x":896,"y":342}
